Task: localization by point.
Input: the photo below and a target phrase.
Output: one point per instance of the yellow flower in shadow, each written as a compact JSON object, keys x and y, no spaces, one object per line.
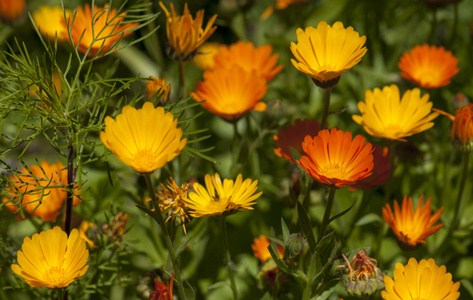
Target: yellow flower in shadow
{"x":50,"y":21}
{"x":156,"y":87}
{"x":144,"y":139}
{"x":52,"y":259}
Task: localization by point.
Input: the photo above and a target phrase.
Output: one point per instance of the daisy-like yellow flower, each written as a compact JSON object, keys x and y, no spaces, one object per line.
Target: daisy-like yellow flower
{"x":184,"y":33}
{"x":231,"y":92}
{"x":156,"y":87}
{"x":52,"y":259}
{"x":12,"y":10}
{"x":144,"y":139}
{"x":172,"y":197}
{"x":384,"y":114}
{"x":50,"y":21}
{"x":429,"y":67}
{"x":249,"y":57}
{"x":204,"y":58}
{"x":332,"y":158}
{"x":97,"y":31}
{"x":222,"y":198}
{"x":412,"y":227}
{"x":325,"y":52}
{"x":420,"y":281}
{"x":279,"y":5}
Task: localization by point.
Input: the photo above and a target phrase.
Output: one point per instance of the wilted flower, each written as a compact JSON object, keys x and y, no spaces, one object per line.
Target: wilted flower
{"x":156,"y":87}
{"x":428,"y":66}
{"x":280,"y":4}
{"x":381,"y":161}
{"x":52,"y":259}
{"x":332,"y":158}
{"x":326,"y":52}
{"x":204,"y":58}
{"x":423,"y":280}
{"x":260,"y":248}
{"x":163,"y":291}
{"x":12,"y":10}
{"x":173,"y":197}
{"x":117,"y":227}
{"x":50,"y":21}
{"x":411,"y":227}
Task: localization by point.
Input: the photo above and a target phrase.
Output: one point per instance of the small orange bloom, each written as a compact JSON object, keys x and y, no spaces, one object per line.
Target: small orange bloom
{"x":156,"y":87}
{"x":381,"y":160}
{"x":163,"y":291}
{"x":462,"y":129}
{"x":411,"y":227}
{"x":280,"y":4}
{"x":98,"y":34}
{"x":249,"y":57}
{"x":231,"y":92}
{"x":12,"y":10}
{"x":332,"y":158}
{"x":293,"y":136}
{"x":429,"y":67}
{"x":260,"y":248}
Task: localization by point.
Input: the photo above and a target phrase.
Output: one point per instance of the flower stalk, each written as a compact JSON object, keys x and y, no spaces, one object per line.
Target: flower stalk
{"x":328,"y":211}
{"x":182,"y":78}
{"x":459,"y":203}
{"x":227,"y":259}
{"x":325,"y":112}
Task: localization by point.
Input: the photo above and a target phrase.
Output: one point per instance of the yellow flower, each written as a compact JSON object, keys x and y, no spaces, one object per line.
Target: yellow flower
{"x":12,"y":10}
{"x":144,"y":139}
{"x":52,"y":259}
{"x":83,"y":228}
{"x":326,"y":52}
{"x":420,"y":281}
{"x":204,"y":58}
{"x":50,"y":21}
{"x":184,"y":33}
{"x":384,"y":114}
{"x":219,"y":199}
{"x":156,"y":87}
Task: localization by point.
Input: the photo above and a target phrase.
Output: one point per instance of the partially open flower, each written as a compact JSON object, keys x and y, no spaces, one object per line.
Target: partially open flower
{"x":156,"y":88}
{"x":462,"y":128}
{"x":173,"y":197}
{"x":12,"y":10}
{"x":50,"y":21}
{"x":163,"y":291}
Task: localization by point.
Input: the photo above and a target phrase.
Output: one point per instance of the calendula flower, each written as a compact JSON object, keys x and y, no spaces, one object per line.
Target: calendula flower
{"x":173,"y":197}
{"x":384,"y":114}
{"x":333,"y":159}
{"x":50,"y":21}
{"x":204,"y":58}
{"x":249,"y":57}
{"x":423,"y":280}
{"x":429,"y":67}
{"x":325,"y":52}
{"x":163,"y":291}
{"x":40,"y":190}
{"x":279,"y":5}
{"x":83,"y":228}
{"x":97,"y":31}
{"x":462,"y":129}
{"x":411,"y":227}
{"x":231,"y":92}
{"x":293,"y":136}
{"x":156,"y":87}
{"x":144,"y":139}
{"x":184,"y":33}
{"x":12,"y":10}
{"x":52,"y":259}
{"x":260,"y":248}
{"x":222,"y":198}
{"x":381,"y":160}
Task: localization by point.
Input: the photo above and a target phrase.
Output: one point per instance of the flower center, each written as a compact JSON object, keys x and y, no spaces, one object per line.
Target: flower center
{"x":144,"y":159}
{"x":335,"y":171}
{"x":392,"y":130}
{"x":54,"y":276}
{"x":428,"y":76}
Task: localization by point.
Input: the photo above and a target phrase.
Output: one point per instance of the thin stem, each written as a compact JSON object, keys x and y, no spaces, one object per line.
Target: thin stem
{"x":155,"y":45}
{"x":236,"y":149}
{"x":167,"y":238}
{"x":323,"y":123}
{"x":227,"y":259}
{"x":389,"y":184}
{"x":310,"y":274}
{"x":459,"y":204}
{"x":433,"y":26}
{"x":60,"y":294}
{"x":70,"y":189}
{"x":182,"y":79}
{"x":328,"y":211}
{"x":455,"y":25}
{"x":359,"y":212}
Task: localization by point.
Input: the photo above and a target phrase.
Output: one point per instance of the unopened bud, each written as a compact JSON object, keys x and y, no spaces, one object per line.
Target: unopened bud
{"x":295,"y":243}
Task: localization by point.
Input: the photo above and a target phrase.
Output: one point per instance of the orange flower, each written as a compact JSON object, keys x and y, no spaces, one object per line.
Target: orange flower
{"x":163,"y":291}
{"x":245,"y":55}
{"x":411,"y":227}
{"x":462,"y":129}
{"x":12,"y":10}
{"x":293,"y":136}
{"x":428,"y":66}
{"x":381,"y":160}
{"x":260,"y":248}
{"x":157,"y":88}
{"x":332,"y":158}
{"x":40,"y":190}
{"x":184,"y":33}
{"x":231,"y":92}
{"x":204,"y":58}
{"x":99,"y":34}
{"x":280,"y":4}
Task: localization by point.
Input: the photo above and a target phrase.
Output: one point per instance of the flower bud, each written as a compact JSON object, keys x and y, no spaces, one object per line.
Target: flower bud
{"x":295,"y":243}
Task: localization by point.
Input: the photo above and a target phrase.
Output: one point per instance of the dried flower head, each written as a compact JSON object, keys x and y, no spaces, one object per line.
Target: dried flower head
{"x":163,"y":291}
{"x":293,"y":136}
{"x":173,"y":197}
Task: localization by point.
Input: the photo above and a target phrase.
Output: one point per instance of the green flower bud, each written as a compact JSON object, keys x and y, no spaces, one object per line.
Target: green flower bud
{"x":295,"y":243}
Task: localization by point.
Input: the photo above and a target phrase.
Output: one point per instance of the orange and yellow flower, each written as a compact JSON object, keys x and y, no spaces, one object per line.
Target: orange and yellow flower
{"x":260,"y":248}
{"x":325,"y":52}
{"x":204,"y":58}
{"x":231,"y":92}
{"x":384,"y":114}
{"x":280,"y":4}
{"x":293,"y":136}
{"x":429,"y":67}
{"x":97,"y":31}
{"x":51,"y":22}
{"x":411,"y":227}
{"x":163,"y":291}
{"x":40,"y":190}
{"x":156,"y":87}
{"x":186,"y":35}
{"x":12,"y":10}
{"x":333,"y":159}
{"x":462,"y":129}
{"x":381,"y":160}
{"x":144,"y":139}
{"x":423,"y":280}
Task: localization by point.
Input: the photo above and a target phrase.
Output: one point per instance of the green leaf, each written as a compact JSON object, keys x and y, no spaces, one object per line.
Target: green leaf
{"x":285,"y":230}
{"x":182,"y":247}
{"x":341,"y":214}
{"x":369,"y":218}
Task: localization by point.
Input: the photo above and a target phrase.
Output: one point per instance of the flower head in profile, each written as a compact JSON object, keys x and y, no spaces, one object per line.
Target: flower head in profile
{"x":222,"y":198}
{"x":39,"y":189}
{"x":462,"y":128}
{"x":12,"y":10}
{"x":156,"y":87}
{"x":52,"y":259}
{"x":423,"y":280}
{"x":50,"y":21}
{"x":429,"y":67}
{"x":381,"y":160}
{"x":144,"y":139}
{"x":231,"y":92}
{"x":384,"y":114}
{"x":293,"y":136}
{"x":173,"y":197}
{"x":279,"y":5}
{"x":97,"y":30}
{"x":260,"y":248}
{"x":163,"y":291}
{"x":325,"y":52}
{"x":249,"y":57}
{"x":334,"y":159}
{"x":204,"y":58}
{"x":411,"y":227}
{"x":185,"y":34}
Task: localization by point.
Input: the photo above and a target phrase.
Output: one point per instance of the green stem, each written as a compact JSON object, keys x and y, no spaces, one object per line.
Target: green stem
{"x":182,"y":79}
{"x":70,"y":189}
{"x":328,"y":211}
{"x":236,"y":149}
{"x":459,"y":204}
{"x":323,"y":123}
{"x":310,"y":274}
{"x":167,"y":238}
{"x":60,"y":294}
{"x":155,"y":45}
{"x":455,"y":25}
{"x":389,"y":184}
{"x":359,"y":212}
{"x":227,"y":259}
{"x":433,"y":26}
